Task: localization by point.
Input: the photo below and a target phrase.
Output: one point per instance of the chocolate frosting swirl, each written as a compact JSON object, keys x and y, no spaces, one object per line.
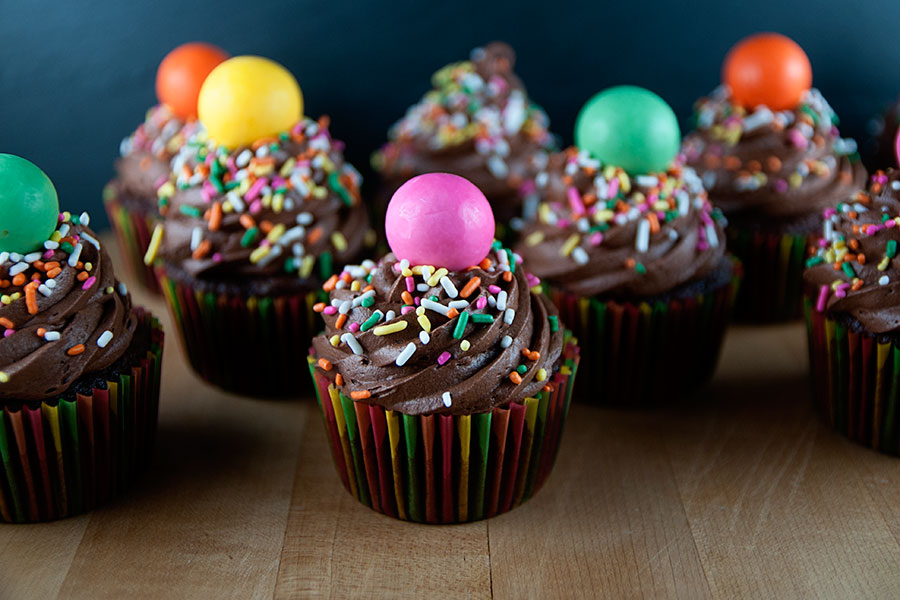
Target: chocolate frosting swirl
{"x":855,"y":270}
{"x":144,"y":162}
{"x":63,"y":314}
{"x":477,"y":122}
{"x":267,"y":211}
{"x":760,"y":166}
{"x":451,"y":368}
{"x":598,"y":231}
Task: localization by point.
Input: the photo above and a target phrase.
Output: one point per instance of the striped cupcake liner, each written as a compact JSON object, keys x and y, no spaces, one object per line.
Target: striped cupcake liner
{"x":246,"y":345}
{"x":642,"y":354}
{"x":446,"y":468}
{"x":65,"y":457}
{"x":133,"y":229}
{"x":773,"y":265}
{"x":855,"y":381}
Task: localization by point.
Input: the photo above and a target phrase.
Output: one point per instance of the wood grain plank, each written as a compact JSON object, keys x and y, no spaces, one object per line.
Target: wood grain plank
{"x":34,"y":559}
{"x":776,"y":504}
{"x":336,"y":547}
{"x":608,"y":523}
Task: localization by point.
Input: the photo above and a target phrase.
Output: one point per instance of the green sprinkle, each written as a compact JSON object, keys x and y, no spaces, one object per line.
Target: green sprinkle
{"x":335,"y":182}
{"x":220,"y":187}
{"x":368,"y":301}
{"x":325,"y":265}
{"x":554,"y":323}
{"x":191,"y":211}
{"x":512,"y":260}
{"x":249,"y":236}
{"x":216,"y":169}
{"x":640,"y":268}
{"x":481,"y":318}
{"x":283,"y":136}
{"x":848,"y":270}
{"x":522,"y":369}
{"x":891,"y":250}
{"x":370,"y":322}
{"x":289,"y":264}
{"x":885,"y":217}
{"x":435,"y":298}
{"x":74,"y":219}
{"x":461,"y":323}
{"x":67,"y":247}
{"x":496,"y":245}
{"x":232,"y":184}
{"x":813,"y":261}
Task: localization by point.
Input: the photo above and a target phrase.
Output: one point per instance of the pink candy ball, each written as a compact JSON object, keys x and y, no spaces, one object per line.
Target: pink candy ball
{"x":441,"y":220}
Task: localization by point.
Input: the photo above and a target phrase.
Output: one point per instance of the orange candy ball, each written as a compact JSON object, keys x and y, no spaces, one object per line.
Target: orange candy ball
{"x":767,"y":69}
{"x":181,"y":74}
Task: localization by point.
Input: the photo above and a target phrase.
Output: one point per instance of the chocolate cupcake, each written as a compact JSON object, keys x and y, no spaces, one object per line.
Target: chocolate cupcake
{"x":852,"y":309}
{"x":477,"y":122}
{"x":636,"y":262}
{"x":79,"y":365}
{"x":444,"y":389}
{"x":249,"y":233}
{"x":143,"y":165}
{"x":772,"y":164}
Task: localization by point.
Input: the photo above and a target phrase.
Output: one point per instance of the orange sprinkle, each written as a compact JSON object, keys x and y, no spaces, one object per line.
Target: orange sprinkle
{"x":339,"y":379}
{"x":6,"y":323}
{"x":470,"y":287}
{"x":41,"y":331}
{"x":452,"y":313}
{"x":361,"y":395}
{"x":507,"y":276}
{"x":732,"y":163}
{"x":773,"y":164}
{"x":82,"y":276}
{"x":318,"y":307}
{"x":515,"y":378}
{"x":75,"y":350}
{"x":325,"y":364}
{"x":53,"y":272}
{"x":314,"y":235}
{"x":19,"y":279}
{"x":339,"y":323}
{"x":861,"y":258}
{"x":31,"y":297}
{"x":856,"y":285}
{"x":329,"y":285}
{"x":486,"y":264}
{"x":853,"y":243}
{"x":629,"y":263}
{"x":247,"y":221}
{"x":202,"y":249}
{"x":215,"y":216}
{"x":406,"y":297}
{"x":266,"y":226}
{"x":654,"y":222}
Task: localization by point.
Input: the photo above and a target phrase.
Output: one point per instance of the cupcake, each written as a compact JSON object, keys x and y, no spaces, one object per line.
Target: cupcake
{"x":79,"y":365}
{"x":768,"y":150}
{"x":443,"y":379}
{"x":130,"y":198}
{"x":632,"y":253}
{"x":853,"y":315}
{"x":259,"y":209}
{"x":477,"y":122}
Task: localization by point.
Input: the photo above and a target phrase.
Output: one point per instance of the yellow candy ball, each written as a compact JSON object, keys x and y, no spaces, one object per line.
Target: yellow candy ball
{"x":247,"y":98}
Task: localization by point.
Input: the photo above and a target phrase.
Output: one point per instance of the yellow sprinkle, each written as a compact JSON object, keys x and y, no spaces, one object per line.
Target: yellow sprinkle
{"x":541,"y":374}
{"x":243,"y":187}
{"x":535,"y":238}
{"x":306,"y":266}
{"x":109,"y":289}
{"x":258,"y":254}
{"x":166,"y":190}
{"x":602,"y":216}
{"x":266,"y":201}
{"x":390,"y":328}
{"x":884,"y":263}
{"x":465,"y":345}
{"x":155,"y":241}
{"x":434,"y":279}
{"x":3,"y":377}
{"x":424,"y":323}
{"x":276,"y":232}
{"x":287,"y":167}
{"x":544,"y":214}
{"x":227,"y":208}
{"x":407,"y":272}
{"x":335,"y":340}
{"x":355,"y":285}
{"x":570,"y":244}
{"x":320,"y":193}
{"x":5,"y":299}
{"x":55,"y":236}
{"x":564,"y":370}
{"x":339,"y":241}
{"x":417,"y":270}
{"x":278,"y":202}
{"x":795,"y":180}
{"x":420,"y":310}
{"x":88,"y":266}
{"x":624,"y":182}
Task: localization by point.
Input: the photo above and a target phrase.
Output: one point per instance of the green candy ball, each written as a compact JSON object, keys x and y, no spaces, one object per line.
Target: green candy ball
{"x":629,"y":127}
{"x":29,"y":206}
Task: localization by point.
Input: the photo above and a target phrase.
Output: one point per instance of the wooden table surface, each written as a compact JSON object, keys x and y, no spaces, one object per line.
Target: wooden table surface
{"x":741,"y":494}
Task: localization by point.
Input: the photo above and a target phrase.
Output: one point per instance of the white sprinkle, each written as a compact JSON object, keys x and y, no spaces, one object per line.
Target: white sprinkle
{"x":352,"y":342}
{"x":236,"y":202}
{"x":105,"y":338}
{"x":502,"y":297}
{"x":51,"y":336}
{"x":50,"y":283}
{"x":15,"y":257}
{"x":497,"y":167}
{"x":389,"y":316}
{"x":509,"y":316}
{"x":422,"y":287}
{"x":196,"y":238}
{"x":405,"y":354}
{"x":424,"y":337}
{"x":345,"y":307}
{"x":76,"y":254}
{"x":305,"y":218}
{"x":17,"y":268}
{"x":64,"y":229}
{"x":85,"y":219}
{"x":458,"y":304}
{"x":359,"y":299}
{"x":642,"y":240}
{"x":449,"y":287}
{"x":4,"y":256}
{"x":684,"y":202}
{"x":435,"y":306}
{"x":712,"y":238}
{"x":884,"y":280}
{"x":44,"y":290}
{"x":895,"y":185}
{"x":446,"y":398}
{"x":647,"y":181}
{"x":123,"y":289}
{"x":404,"y":264}
{"x":579,"y":255}
{"x":274,"y":252}
{"x":505,"y":341}
{"x":93,"y":241}
{"x":760,"y":117}
{"x":243,"y":159}
{"x":31,"y":257}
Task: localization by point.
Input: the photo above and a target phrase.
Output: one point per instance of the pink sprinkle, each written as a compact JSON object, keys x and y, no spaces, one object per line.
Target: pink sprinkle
{"x":797,"y":139}
{"x":354,"y":327}
{"x":406,"y":308}
{"x":159,"y":181}
{"x":207,"y":191}
{"x":48,"y":255}
{"x":278,"y":182}
{"x":481,"y":302}
{"x":330,"y":310}
{"x":416,"y":299}
{"x":256,"y":207}
{"x":532,"y":280}
{"x":596,"y":238}
{"x":444,"y":357}
{"x":829,"y":212}
{"x":8,"y":332}
{"x":702,"y":246}
{"x":253,"y":193}
{"x":527,"y":187}
{"x":839,"y":293}
{"x":217,"y":257}
{"x":575,"y":201}
{"x":890,"y":223}
{"x":823,"y":243}
{"x":781,"y":186}
{"x":88,"y":282}
{"x":410,"y":285}
{"x":562,"y":223}
{"x":209,"y":159}
{"x":613,"y":188}
{"x":494,"y":289}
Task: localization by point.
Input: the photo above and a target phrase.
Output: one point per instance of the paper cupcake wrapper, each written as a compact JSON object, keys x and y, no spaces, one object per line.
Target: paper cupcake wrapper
{"x":65,"y":457}
{"x":855,"y":381}
{"x":640,"y":355}
{"x":773,"y":264}
{"x":133,"y":229}
{"x":247,"y":345}
{"x":446,"y":468}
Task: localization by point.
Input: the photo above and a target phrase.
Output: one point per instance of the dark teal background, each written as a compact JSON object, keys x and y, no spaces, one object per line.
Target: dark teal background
{"x":77,"y":76}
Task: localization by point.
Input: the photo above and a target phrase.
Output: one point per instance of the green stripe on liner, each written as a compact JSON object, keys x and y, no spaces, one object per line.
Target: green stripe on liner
{"x":6,"y":456}
{"x":478,"y":463}
{"x":411,"y":437}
